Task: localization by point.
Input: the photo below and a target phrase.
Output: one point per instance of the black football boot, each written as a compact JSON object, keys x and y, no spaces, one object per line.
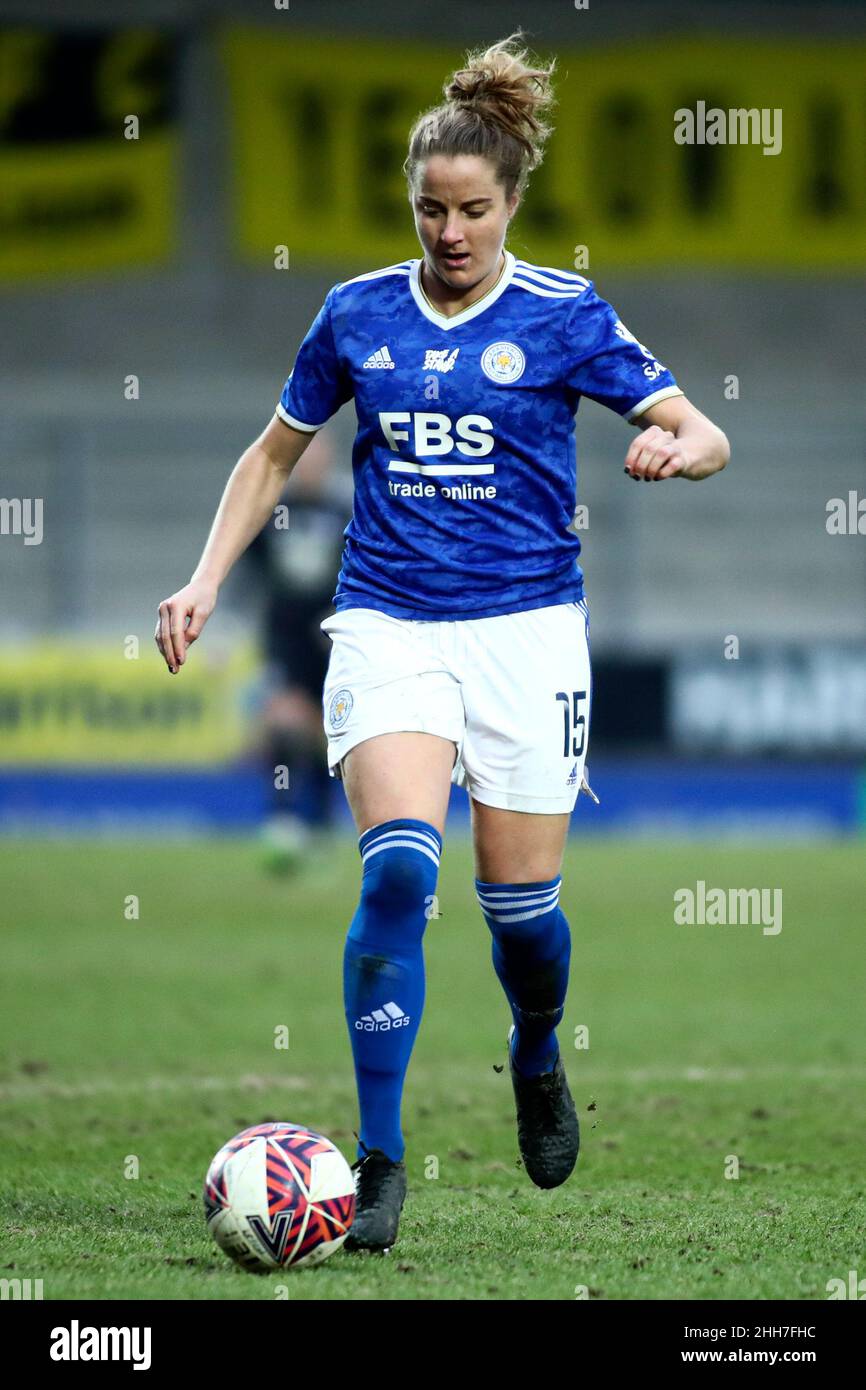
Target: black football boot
{"x":380,"y":1191}
{"x":547,"y":1127}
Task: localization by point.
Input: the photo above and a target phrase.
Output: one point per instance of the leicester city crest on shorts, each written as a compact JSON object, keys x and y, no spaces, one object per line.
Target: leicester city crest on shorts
{"x":503,"y":362}
{"x":340,"y":708}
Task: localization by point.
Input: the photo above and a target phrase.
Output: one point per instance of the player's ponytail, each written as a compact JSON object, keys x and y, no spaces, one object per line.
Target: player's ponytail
{"x":494,"y":107}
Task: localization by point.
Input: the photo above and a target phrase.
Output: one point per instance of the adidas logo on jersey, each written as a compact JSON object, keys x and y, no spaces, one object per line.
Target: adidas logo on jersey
{"x":440,"y":359}
{"x":382,"y":358}
{"x":380,"y":1020}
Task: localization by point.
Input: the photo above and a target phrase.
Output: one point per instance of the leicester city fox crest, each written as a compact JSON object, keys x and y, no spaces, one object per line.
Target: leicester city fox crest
{"x":340,"y":708}
{"x":503,"y":362}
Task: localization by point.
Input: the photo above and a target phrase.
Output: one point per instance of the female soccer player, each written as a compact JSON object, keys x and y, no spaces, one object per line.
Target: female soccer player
{"x":459,"y":642}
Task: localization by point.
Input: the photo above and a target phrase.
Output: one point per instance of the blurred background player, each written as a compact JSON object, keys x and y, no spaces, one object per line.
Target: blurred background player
{"x":295,"y":559}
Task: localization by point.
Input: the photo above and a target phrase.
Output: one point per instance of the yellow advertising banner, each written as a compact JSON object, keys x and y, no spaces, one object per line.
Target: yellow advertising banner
{"x":67,"y":704}
{"x":708,"y":152}
{"x":88,"y":149}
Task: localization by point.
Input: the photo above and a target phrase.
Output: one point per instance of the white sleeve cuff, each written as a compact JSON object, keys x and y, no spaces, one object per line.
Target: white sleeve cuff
{"x":641,"y":406}
{"x":295,"y":424}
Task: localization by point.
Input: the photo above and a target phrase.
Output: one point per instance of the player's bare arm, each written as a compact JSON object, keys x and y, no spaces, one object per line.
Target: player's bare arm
{"x":250,"y":495}
{"x":676,"y":441}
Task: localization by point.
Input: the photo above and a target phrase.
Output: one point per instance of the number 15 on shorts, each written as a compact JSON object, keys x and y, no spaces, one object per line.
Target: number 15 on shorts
{"x":574,"y":723}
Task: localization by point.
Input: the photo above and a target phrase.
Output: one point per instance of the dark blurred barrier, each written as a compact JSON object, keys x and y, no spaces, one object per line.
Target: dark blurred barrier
{"x":797,"y":703}
{"x":668,"y":152}
{"x":629,"y":703}
{"x":790,"y":702}
{"x":89,"y":142}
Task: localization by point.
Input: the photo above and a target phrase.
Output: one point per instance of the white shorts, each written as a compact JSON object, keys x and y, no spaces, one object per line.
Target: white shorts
{"x":511,"y":692}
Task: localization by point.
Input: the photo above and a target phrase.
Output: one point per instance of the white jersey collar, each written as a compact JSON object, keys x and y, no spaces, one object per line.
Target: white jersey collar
{"x":446,"y":321}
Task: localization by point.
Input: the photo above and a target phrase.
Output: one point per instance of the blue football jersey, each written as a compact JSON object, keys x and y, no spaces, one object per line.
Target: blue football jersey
{"x":464,"y":460}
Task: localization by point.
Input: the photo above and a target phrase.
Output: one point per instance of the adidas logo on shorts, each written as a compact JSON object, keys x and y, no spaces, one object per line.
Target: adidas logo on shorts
{"x":382,"y":358}
{"x":572,"y":777}
{"x":380,"y":1020}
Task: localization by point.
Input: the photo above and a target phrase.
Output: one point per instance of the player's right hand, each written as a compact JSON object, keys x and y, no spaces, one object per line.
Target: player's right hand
{"x":181,"y":619}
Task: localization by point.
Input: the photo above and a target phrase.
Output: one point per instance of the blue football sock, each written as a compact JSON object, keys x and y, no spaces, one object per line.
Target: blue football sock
{"x":531,"y":954}
{"x":383,"y":970}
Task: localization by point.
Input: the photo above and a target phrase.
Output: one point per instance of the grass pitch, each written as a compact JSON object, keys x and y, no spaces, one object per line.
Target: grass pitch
{"x":710,"y":1047}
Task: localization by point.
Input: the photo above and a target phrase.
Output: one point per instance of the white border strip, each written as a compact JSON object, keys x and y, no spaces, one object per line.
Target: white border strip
{"x":439,"y":470}
{"x":296,"y":424}
{"x":647,"y":401}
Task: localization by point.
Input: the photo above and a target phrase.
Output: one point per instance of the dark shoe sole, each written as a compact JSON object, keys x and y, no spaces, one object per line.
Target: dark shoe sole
{"x":549,"y":1158}
{"x":375,"y":1228}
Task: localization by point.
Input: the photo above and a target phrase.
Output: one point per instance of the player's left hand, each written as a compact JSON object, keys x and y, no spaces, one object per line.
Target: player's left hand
{"x":654,"y":455}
